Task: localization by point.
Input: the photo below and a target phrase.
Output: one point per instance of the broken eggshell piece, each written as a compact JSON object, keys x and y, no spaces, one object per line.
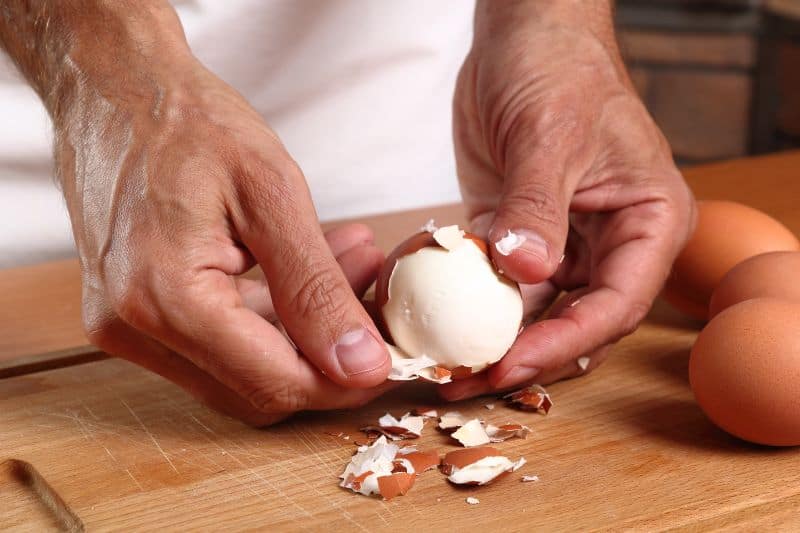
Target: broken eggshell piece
{"x":471,"y":434}
{"x":477,"y":466}
{"x":407,"y":427}
{"x":382,"y":468}
{"x":443,"y":306}
{"x":367,"y":465}
{"x":533,"y":398}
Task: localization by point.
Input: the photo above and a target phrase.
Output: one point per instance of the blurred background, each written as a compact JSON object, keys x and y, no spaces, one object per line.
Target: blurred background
{"x":721,"y":77}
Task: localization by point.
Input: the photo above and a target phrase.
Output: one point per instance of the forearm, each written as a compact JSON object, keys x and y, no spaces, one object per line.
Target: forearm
{"x":588,"y":17}
{"x":111,"y":48}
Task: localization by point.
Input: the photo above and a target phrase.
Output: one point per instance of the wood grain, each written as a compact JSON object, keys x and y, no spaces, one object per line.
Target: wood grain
{"x":625,"y":447}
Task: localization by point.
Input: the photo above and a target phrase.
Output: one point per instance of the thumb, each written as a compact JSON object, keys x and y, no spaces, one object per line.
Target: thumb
{"x":529,"y":231}
{"x":311,"y":294}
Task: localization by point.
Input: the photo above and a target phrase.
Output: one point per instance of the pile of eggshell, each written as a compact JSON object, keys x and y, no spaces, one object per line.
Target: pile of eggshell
{"x":384,"y":468}
{"x":741,"y":272}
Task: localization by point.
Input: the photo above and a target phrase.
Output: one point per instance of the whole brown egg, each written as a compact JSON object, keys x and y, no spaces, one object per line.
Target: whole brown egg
{"x":727,"y":233}
{"x":774,"y":274}
{"x":744,"y":370}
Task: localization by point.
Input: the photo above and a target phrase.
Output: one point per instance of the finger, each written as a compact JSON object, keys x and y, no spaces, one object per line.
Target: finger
{"x":530,"y":226}
{"x":576,"y":368}
{"x":360,"y":264}
{"x":201,"y":315}
{"x":347,"y":236}
{"x":633,"y":254}
{"x":310,"y":293}
{"x":480,"y":385}
{"x":537,"y":298}
{"x":123,"y":341}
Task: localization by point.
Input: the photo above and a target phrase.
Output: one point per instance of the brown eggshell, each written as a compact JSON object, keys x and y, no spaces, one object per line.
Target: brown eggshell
{"x":413,"y":244}
{"x":397,"y":484}
{"x":466,"y":456}
{"x":421,"y":461}
{"x":727,"y":233}
{"x":773,"y":275}
{"x":744,"y":370}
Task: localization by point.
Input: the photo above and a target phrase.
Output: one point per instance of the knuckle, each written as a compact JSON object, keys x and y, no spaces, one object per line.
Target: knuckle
{"x":279,"y":398}
{"x":267,"y":181}
{"x":318,"y":294}
{"x":537,"y":202}
{"x":98,"y":328}
{"x":632,"y":317}
{"x":128,"y":303}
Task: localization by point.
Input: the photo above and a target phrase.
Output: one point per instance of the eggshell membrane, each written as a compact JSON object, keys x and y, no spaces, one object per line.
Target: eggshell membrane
{"x":727,"y":233}
{"x":773,"y":275}
{"x":744,"y":370}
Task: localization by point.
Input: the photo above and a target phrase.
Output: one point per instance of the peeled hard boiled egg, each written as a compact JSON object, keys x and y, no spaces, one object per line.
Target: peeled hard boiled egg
{"x":442,"y":301}
{"x":744,"y":370}
{"x":774,"y":274}
{"x":727,"y":233}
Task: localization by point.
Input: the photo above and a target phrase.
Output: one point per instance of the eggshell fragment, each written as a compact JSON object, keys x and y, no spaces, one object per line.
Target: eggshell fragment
{"x":466,"y":456}
{"x":471,"y":434}
{"x":407,"y":427}
{"x":772,"y":275}
{"x":367,"y":465}
{"x":727,"y":233}
{"x":533,"y":398}
{"x":451,"y":420}
{"x":407,"y":368}
{"x":744,"y":370}
{"x":472,"y":500}
{"x":397,"y":484}
{"x":420,"y":461}
{"x":507,"y":431}
{"x":477,"y":466}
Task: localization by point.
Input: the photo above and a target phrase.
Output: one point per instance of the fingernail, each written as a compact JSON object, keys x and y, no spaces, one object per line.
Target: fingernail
{"x":525,"y":241}
{"x":358,"y":351}
{"x":517,"y":375}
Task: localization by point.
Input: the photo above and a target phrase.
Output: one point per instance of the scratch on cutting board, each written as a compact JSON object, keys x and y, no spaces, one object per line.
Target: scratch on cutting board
{"x":88,"y":434}
{"x":346,"y":514}
{"x":249,"y":487}
{"x":88,"y":410}
{"x":300,"y":434}
{"x":130,"y":475}
{"x":149,"y":434}
{"x":252,"y":471}
{"x":240,"y":449}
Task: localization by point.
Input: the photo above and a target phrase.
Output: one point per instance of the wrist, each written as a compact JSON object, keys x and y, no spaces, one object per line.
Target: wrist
{"x":587,"y":23}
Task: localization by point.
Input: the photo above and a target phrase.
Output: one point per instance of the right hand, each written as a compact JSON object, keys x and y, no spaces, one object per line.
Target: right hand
{"x":177,"y":186}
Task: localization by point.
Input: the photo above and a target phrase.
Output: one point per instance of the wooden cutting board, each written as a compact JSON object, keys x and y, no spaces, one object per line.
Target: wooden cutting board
{"x":625,"y":447}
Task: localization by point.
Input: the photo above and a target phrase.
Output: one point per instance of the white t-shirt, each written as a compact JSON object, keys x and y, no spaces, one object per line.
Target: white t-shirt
{"x":358,"y":90}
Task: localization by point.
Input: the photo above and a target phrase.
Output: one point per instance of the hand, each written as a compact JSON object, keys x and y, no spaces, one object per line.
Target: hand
{"x":173,"y":193}
{"x":553,"y":145}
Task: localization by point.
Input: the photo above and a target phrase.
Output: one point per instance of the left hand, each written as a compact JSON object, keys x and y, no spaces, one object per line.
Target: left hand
{"x":553,"y":144}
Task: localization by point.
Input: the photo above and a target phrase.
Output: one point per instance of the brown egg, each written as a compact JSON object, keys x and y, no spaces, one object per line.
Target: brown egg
{"x":727,"y":233}
{"x":774,"y":274}
{"x":745,"y":371}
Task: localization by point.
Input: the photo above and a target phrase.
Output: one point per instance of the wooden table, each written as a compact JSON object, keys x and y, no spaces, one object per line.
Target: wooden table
{"x":623,"y":448}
